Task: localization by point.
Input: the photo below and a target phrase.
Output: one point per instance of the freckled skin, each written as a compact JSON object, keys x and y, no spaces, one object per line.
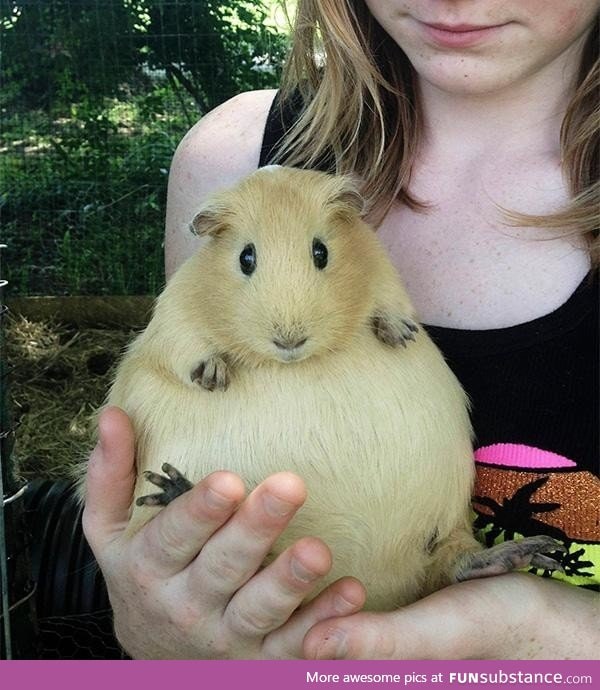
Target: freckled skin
{"x":535,"y":34}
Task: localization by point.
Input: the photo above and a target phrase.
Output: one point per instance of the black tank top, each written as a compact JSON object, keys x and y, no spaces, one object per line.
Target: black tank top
{"x":534,"y":389}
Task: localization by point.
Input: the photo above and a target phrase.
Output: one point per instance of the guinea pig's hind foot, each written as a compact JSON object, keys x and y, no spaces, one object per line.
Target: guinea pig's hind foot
{"x":173,"y":485}
{"x":393,"y":329}
{"x":509,"y":556}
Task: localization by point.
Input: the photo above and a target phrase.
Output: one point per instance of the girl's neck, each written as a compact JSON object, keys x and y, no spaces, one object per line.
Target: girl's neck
{"x":524,"y":117}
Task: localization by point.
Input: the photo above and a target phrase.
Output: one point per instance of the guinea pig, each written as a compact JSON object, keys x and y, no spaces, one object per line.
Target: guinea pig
{"x":287,"y":342}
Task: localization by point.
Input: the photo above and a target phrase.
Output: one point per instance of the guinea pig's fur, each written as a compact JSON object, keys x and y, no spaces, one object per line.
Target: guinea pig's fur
{"x":380,"y":434}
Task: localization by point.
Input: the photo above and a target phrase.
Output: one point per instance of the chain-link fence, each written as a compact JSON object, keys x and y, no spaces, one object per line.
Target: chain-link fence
{"x":94,"y":97}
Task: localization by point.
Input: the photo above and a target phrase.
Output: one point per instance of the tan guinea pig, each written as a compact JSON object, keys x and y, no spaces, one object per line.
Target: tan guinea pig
{"x":278,"y":346}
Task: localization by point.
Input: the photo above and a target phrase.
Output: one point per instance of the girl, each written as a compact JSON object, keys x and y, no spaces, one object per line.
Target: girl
{"x":471,"y":126}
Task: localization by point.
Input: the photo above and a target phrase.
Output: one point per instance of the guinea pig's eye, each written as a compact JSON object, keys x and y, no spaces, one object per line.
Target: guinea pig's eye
{"x":248,"y":259}
{"x":319,"y":254}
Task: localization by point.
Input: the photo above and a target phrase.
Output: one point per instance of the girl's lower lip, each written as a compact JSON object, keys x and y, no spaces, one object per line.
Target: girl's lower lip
{"x":459,"y":38}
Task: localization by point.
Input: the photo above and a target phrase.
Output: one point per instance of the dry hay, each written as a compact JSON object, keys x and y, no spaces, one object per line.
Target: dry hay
{"x":59,"y":375}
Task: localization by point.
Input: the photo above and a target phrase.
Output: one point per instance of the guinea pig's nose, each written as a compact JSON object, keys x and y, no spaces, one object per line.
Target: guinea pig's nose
{"x":289,"y":343}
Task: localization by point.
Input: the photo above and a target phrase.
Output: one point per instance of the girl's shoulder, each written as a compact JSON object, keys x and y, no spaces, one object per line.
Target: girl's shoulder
{"x":228,"y":139}
{"x":221,"y":148}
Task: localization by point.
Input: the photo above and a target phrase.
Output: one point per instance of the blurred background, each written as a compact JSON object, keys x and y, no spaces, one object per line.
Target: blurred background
{"x":94,"y":97}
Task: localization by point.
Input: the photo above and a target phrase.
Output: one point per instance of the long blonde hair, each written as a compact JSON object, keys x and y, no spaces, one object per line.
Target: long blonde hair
{"x":361,"y":111}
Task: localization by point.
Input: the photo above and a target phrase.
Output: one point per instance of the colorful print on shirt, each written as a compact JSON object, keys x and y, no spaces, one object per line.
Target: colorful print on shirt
{"x":522,"y":491}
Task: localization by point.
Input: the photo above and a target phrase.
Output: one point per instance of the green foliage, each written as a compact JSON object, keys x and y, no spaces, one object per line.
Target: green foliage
{"x":83,"y":198}
{"x":58,"y":51}
{"x":213,"y":47}
{"x":94,"y":97}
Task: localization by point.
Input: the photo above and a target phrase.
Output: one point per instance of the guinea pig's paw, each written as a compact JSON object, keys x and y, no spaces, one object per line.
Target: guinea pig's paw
{"x":212,"y":374}
{"x":509,"y":556}
{"x":173,"y":485}
{"x":393,"y":329}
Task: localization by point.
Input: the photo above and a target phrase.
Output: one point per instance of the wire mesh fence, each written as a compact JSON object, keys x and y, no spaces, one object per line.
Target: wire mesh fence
{"x":94,"y":97}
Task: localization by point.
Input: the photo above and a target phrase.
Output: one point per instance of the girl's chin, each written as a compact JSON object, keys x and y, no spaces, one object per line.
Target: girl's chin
{"x":464,"y":77}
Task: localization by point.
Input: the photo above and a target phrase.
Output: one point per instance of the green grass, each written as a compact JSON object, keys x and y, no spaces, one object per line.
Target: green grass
{"x":82,"y":195}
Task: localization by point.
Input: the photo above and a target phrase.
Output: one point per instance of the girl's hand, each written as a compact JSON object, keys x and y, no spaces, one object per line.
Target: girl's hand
{"x":189,"y":584}
{"x":516,"y":616}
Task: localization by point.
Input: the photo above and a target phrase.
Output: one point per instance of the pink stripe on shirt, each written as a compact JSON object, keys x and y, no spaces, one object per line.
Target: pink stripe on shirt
{"x":517,"y":455}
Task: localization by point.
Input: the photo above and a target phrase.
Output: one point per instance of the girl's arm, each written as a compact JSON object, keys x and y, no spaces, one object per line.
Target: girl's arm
{"x":516,"y":616}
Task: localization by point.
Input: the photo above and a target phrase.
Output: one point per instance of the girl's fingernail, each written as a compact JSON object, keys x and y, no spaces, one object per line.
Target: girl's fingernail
{"x":217,"y":501}
{"x":276,"y":507}
{"x":302,"y":573}
{"x":342,"y":605}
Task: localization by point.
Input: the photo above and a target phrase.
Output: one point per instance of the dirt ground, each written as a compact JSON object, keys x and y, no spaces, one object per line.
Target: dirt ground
{"x":58,"y":376}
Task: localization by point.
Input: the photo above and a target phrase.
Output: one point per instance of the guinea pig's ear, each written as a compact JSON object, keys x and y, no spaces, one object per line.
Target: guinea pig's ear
{"x":347,"y":197}
{"x":208,"y":221}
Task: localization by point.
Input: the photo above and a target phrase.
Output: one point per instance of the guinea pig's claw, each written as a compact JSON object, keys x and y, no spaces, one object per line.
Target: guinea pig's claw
{"x":393,"y":330}
{"x":511,"y":555}
{"x":172,"y":486}
{"x":211,"y":374}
